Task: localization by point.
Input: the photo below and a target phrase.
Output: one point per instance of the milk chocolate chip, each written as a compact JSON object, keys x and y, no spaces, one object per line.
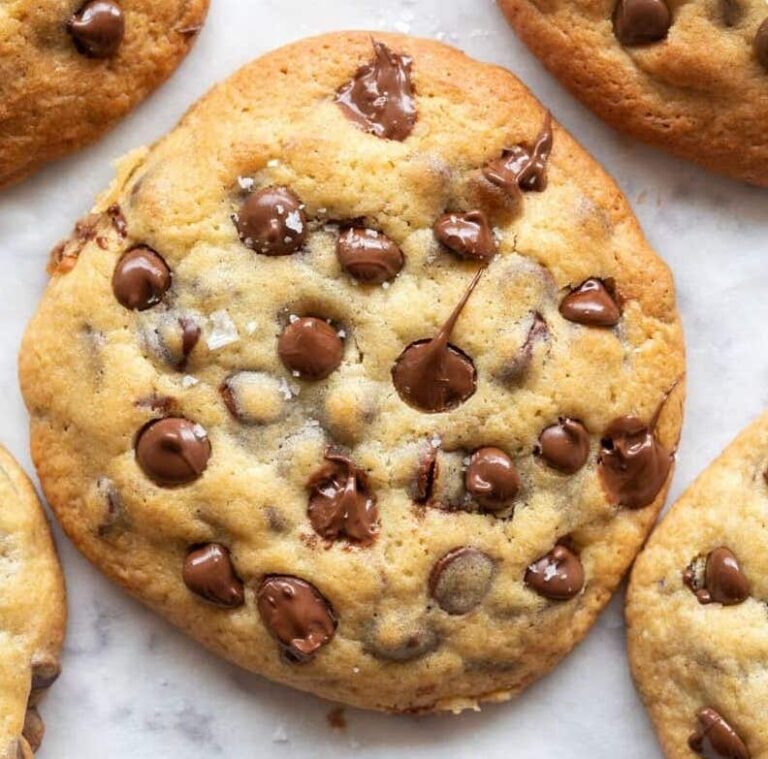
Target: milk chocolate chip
{"x":379,"y":98}
{"x":564,"y":446}
{"x":559,"y":575}
{"x":272,"y":221}
{"x":369,"y":256}
{"x":714,"y":738}
{"x":341,"y":503}
{"x":492,"y":479}
{"x":633,"y":465}
{"x":638,"y":22}
{"x":140,"y":279}
{"x":310,"y":348}
{"x":761,"y":44}
{"x":591,"y":303}
{"x":190,"y":336}
{"x":173,"y":451}
{"x":297,"y":615}
{"x":461,"y":579}
{"x":98,"y":28}
{"x":724,"y":582}
{"x":209,"y":573}
{"x":469,"y":235}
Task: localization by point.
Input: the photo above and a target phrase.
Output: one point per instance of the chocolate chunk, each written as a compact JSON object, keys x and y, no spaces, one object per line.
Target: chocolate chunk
{"x":297,"y":615}
{"x":522,"y":167}
{"x":190,"y":336}
{"x":310,"y":348}
{"x":492,"y":479}
{"x":714,"y":738}
{"x":432,"y":375}
{"x":469,"y":235}
{"x":98,"y":28}
{"x":460,"y":580}
{"x":173,"y":451}
{"x":633,"y":465}
{"x":140,"y":279}
{"x":638,"y":22}
{"x":34,"y":728}
{"x":341,"y":504}
{"x":564,"y":446}
{"x":208,"y":572}
{"x":559,"y":575}
{"x":724,"y":582}
{"x":379,"y":98}
{"x":592,"y":303}
{"x":369,"y":256}
{"x":761,"y":44}
{"x":272,"y":222}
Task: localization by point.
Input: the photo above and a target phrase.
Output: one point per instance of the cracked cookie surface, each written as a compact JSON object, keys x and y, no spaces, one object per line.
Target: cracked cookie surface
{"x":342,"y":375}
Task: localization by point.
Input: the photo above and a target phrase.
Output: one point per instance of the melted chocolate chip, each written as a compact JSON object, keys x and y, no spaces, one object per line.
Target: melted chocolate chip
{"x":461,"y":579}
{"x":341,"y":503}
{"x":379,"y":98}
{"x":432,"y":375}
{"x":190,"y":336}
{"x":310,"y":348}
{"x":559,"y":575}
{"x":517,"y":367}
{"x":714,"y":738}
{"x":564,"y":446}
{"x":208,"y":572}
{"x":173,"y":451}
{"x":724,"y":582}
{"x":98,"y":28}
{"x":592,"y":303}
{"x":425,"y":475}
{"x":633,"y":465}
{"x":761,"y":44}
{"x":297,"y":615}
{"x":272,"y":222}
{"x":492,"y":479}
{"x":522,"y":167}
{"x":639,"y":22}
{"x":141,"y":279}
{"x":369,"y":256}
{"x":469,"y":235}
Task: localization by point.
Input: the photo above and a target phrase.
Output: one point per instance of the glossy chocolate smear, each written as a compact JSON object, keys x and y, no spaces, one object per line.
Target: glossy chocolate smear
{"x":379,"y":98}
{"x":98,"y":28}
{"x":559,"y":575}
{"x":460,"y":580}
{"x":141,"y":279}
{"x":468,"y":235}
{"x":433,"y":375}
{"x":564,"y":446}
{"x":633,"y":465}
{"x":761,"y":44}
{"x":492,"y":479}
{"x":272,"y":221}
{"x":724,"y":582}
{"x":209,"y":573}
{"x":341,"y":504}
{"x":369,"y":256}
{"x":591,"y":303}
{"x":297,"y":615}
{"x":522,"y":167}
{"x":714,"y":738}
{"x":310,"y":348}
{"x":639,"y":22}
{"x":173,"y":451}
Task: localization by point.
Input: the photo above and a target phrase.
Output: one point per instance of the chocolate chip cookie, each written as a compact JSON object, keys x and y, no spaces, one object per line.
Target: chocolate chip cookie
{"x":696,"y":610}
{"x":364,"y":376}
{"x":32,"y":612}
{"x":69,"y":69}
{"x":689,"y":77}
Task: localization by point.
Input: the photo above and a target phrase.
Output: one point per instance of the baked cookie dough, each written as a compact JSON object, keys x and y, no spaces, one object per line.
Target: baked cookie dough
{"x":696,"y":611}
{"x":32,"y":612}
{"x":691,"y":77}
{"x":364,"y":376}
{"x":70,"y":69}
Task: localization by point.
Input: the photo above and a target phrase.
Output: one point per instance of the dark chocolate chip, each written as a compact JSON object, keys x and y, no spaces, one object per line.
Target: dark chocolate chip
{"x":468,"y":235}
{"x":141,"y":279}
{"x":564,"y":446}
{"x":173,"y":451}
{"x":591,"y":303}
{"x":272,"y":222}
{"x":190,"y":336}
{"x":98,"y":28}
{"x":639,"y":22}
{"x":492,"y":479}
{"x":460,"y":580}
{"x":724,"y":582}
{"x":209,"y":573}
{"x":310,"y":348}
{"x":714,"y":738}
{"x":559,"y":575}
{"x":369,"y":256}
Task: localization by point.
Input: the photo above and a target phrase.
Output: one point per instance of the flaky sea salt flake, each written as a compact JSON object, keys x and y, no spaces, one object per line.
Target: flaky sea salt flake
{"x":223,"y":330}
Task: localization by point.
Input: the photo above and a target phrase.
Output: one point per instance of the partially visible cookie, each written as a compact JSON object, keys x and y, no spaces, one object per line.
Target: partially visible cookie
{"x":32,"y":612}
{"x":69,"y":69}
{"x":691,"y":77}
{"x":697,"y":614}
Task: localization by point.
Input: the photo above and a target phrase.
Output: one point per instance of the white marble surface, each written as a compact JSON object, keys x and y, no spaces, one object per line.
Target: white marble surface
{"x":134,"y":687}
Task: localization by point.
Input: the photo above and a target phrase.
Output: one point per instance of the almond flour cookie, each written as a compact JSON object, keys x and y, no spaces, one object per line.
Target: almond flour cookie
{"x":32,"y":612}
{"x":696,"y":610}
{"x":364,"y":376}
{"x":691,"y":77}
{"x":69,"y":69}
